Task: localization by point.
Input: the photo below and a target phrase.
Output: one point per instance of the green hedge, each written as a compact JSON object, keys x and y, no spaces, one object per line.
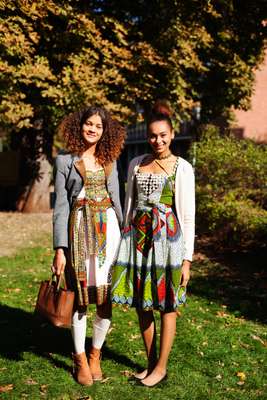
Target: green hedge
{"x":231,"y":188}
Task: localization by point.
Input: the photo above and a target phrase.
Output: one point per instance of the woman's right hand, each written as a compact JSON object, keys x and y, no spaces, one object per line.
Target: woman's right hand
{"x":59,"y":262}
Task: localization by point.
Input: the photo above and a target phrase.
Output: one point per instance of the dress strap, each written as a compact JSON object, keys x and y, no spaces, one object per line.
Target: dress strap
{"x":161,"y":166}
{"x":173,"y":170}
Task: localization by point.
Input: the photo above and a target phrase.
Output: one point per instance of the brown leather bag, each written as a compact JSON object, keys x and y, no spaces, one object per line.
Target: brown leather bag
{"x":54,"y":303}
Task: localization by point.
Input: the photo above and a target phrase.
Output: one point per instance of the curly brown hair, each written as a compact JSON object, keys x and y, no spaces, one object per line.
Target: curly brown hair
{"x":111,"y":142}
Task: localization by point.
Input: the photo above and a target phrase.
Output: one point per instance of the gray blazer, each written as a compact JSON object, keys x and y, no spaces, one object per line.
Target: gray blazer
{"x":69,"y":175}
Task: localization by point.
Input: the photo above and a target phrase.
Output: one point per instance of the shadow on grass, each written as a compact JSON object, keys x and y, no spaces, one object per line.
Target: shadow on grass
{"x":22,"y":331}
{"x":237,"y":280}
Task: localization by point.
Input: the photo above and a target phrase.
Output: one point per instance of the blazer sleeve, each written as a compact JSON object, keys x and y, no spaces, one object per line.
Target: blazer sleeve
{"x":130,"y":194}
{"x":114,"y":191}
{"x":61,"y":208}
{"x":189,"y":212}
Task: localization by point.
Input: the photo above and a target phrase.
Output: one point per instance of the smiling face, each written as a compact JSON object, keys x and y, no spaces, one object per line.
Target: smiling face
{"x":92,"y":130}
{"x":160,"y":135}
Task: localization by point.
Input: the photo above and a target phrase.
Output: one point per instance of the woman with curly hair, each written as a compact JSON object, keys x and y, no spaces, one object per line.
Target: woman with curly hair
{"x":86,"y":220}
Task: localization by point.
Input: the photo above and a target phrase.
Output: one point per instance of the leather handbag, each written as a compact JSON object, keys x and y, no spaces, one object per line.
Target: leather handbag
{"x":54,"y":302}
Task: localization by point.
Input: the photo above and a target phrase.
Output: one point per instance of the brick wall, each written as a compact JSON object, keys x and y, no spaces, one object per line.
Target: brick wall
{"x":253,"y":123}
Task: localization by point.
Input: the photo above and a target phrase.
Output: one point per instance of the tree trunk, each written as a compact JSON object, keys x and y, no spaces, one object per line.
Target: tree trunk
{"x":36,"y":197}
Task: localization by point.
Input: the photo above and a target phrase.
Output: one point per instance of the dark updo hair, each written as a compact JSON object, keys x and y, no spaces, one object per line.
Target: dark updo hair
{"x":161,"y":111}
{"x":111,"y":142}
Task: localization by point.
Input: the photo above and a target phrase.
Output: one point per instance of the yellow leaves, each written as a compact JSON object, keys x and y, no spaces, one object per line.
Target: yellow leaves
{"x":145,"y":53}
{"x":38,"y":9}
{"x":210,"y":9}
{"x":15,"y":111}
{"x":38,"y":72}
{"x":14,"y":39}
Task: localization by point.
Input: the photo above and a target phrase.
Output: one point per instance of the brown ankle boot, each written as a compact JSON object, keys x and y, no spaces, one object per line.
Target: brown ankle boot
{"x":94,"y":363}
{"x":81,"y":370}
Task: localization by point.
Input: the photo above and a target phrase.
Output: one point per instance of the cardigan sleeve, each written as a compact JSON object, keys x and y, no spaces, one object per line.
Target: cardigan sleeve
{"x":189,"y":212}
{"x":61,"y":208}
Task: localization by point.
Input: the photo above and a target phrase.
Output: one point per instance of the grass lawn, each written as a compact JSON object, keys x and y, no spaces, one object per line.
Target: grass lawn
{"x":220,"y":351}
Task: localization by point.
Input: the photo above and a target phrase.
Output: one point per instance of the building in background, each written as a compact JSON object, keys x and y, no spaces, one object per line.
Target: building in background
{"x":253,"y":123}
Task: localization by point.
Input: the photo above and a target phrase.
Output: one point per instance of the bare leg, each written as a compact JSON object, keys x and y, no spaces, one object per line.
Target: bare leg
{"x":167,"y":334}
{"x":148,"y":331}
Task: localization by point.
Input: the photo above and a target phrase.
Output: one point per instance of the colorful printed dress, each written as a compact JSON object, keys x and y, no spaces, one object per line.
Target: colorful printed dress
{"x":95,"y":237}
{"x":147,"y":272}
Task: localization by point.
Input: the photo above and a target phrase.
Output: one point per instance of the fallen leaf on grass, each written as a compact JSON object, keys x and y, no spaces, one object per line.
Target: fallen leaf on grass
{"x":222,"y":314}
{"x":30,"y":381}
{"x":6,"y":388}
{"x":140,"y":353}
{"x":16,"y":290}
{"x":43,"y":390}
{"x":126,"y":373}
{"x":133,"y":337}
{"x":241,"y":375}
{"x":3,"y":369}
{"x":245,"y":345}
{"x":85,"y":398}
{"x":218,"y":377}
{"x":105,"y":380}
{"x":259,"y":340}
{"x":240,"y":383}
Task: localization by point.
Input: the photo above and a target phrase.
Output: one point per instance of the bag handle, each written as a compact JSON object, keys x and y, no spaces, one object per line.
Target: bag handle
{"x":58,"y":280}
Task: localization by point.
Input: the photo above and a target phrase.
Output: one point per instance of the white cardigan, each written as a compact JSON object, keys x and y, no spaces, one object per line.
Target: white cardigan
{"x":184,"y":200}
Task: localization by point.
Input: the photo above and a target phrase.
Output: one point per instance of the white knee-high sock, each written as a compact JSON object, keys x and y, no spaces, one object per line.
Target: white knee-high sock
{"x":78,"y":330}
{"x":100,"y":330}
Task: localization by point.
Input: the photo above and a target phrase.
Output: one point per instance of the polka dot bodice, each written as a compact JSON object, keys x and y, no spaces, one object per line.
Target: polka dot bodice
{"x":150,"y":186}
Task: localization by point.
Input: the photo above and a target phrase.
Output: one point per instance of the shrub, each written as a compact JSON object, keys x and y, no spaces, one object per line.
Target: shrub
{"x":231,"y":188}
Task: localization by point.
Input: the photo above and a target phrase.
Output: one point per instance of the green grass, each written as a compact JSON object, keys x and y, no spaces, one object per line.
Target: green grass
{"x":214,"y":341}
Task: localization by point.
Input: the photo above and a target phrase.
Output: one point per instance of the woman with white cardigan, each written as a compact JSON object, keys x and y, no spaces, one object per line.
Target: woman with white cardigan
{"x":153,"y":264}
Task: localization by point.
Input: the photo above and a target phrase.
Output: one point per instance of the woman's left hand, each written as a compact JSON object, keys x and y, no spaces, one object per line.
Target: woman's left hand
{"x":185,"y":273}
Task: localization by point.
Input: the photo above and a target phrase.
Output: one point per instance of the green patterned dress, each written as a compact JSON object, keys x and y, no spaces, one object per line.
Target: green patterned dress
{"x":147,"y":272}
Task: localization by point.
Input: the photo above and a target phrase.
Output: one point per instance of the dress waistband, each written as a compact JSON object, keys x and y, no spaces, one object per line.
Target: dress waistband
{"x":94,"y":204}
